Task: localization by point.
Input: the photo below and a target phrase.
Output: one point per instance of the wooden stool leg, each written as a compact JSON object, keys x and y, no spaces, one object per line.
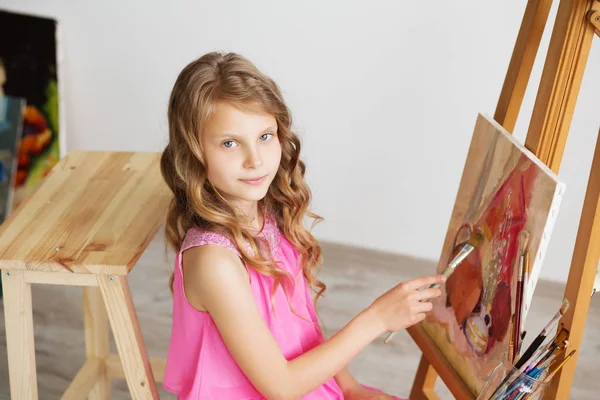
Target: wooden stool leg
{"x":128,"y":336}
{"x":424,"y":383}
{"x":20,"y":343}
{"x":97,"y":340}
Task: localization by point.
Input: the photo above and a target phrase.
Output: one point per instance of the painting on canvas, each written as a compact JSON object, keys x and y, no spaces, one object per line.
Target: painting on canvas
{"x":28,"y":69}
{"x":505,"y":193}
{"x":11,"y":125}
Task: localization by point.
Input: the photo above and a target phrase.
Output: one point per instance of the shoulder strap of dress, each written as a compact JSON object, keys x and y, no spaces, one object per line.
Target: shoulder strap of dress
{"x":197,"y":237}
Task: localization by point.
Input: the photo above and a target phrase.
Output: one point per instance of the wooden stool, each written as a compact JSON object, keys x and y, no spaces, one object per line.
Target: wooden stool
{"x":86,"y":225}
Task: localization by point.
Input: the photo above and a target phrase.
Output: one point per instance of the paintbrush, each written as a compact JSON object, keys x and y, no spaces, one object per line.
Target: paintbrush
{"x":548,"y":353}
{"x":521,"y":387}
{"x":525,"y":308}
{"x":535,"y":350}
{"x":553,"y":371}
{"x":542,"y":336}
{"x":509,"y":384}
{"x":511,"y":341}
{"x":560,"y":338}
{"x":517,"y":327}
{"x":473,"y":242}
{"x":532,"y":367}
{"x":527,"y":273}
{"x":545,"y":361}
{"x":551,"y":374}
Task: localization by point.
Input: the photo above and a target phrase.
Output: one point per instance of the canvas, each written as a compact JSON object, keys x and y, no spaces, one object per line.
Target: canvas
{"x":11,"y":127}
{"x":29,"y":69}
{"x":504,"y":190}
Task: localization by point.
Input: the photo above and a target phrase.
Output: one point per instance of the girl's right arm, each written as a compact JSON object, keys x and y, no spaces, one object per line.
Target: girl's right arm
{"x":217,"y":281}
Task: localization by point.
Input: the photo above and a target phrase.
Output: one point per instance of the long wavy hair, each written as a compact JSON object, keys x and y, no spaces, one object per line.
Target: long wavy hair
{"x":232,"y":78}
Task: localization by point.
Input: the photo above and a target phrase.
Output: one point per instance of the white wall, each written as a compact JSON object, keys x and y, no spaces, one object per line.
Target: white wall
{"x":386,"y":89}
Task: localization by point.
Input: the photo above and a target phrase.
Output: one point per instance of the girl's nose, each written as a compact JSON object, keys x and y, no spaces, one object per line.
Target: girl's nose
{"x":253,"y":159}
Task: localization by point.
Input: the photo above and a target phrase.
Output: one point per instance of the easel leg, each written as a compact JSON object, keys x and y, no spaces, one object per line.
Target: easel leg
{"x":581,"y":278}
{"x":424,"y":383}
{"x":18,"y":316}
{"x":128,"y":337}
{"x":521,"y":63}
{"x":97,"y":344}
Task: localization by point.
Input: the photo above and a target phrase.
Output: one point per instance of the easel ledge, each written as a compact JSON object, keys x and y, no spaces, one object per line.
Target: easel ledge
{"x":576,"y":23}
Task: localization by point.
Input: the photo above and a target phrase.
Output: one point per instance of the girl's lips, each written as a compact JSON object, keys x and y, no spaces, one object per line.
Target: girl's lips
{"x":253,"y":181}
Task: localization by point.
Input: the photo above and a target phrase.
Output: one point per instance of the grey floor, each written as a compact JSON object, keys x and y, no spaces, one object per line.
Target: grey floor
{"x":355,"y":277}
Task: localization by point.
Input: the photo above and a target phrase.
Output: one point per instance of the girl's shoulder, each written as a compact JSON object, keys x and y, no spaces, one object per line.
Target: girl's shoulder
{"x":196,"y":236}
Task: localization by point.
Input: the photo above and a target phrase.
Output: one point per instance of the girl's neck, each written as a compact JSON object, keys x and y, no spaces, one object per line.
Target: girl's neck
{"x":253,"y":217}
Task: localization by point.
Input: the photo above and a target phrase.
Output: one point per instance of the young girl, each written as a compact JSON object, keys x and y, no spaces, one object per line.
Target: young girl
{"x":244,"y":323}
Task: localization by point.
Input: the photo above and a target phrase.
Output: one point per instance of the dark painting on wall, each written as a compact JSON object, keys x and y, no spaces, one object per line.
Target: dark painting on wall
{"x":11,"y":126}
{"x":28,"y":69}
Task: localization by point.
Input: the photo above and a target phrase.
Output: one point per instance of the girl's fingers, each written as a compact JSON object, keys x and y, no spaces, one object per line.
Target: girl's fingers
{"x":424,"y":282}
{"x":424,"y":307}
{"x":428,"y":293}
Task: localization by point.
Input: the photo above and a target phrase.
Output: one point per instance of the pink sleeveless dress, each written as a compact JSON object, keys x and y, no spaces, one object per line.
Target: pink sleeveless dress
{"x":199,"y":365}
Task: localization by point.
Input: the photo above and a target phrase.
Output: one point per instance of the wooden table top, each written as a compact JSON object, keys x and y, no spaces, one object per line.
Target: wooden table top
{"x":94,"y":213}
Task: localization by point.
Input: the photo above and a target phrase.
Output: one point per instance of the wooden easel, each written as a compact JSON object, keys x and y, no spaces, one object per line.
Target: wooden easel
{"x":573,"y":31}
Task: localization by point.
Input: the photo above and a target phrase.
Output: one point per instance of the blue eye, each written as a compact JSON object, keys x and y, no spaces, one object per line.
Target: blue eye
{"x":266,"y":137}
{"x":229,"y":144}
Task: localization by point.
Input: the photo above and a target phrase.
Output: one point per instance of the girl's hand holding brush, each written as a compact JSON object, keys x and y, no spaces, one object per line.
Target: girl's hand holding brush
{"x":406,"y":304}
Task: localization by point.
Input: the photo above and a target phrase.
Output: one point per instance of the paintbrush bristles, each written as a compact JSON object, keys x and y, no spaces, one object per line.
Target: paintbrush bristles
{"x":523,"y":241}
{"x":475,"y":240}
{"x":564,"y":307}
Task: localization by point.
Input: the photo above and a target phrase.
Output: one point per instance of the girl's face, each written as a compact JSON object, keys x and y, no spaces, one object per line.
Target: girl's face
{"x":242,"y":153}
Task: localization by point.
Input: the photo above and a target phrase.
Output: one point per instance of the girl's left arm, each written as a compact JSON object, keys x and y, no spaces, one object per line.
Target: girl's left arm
{"x":346,"y":382}
{"x":353,"y":390}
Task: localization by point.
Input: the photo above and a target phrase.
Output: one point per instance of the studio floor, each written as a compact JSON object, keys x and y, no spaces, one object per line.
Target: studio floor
{"x":355,"y":277}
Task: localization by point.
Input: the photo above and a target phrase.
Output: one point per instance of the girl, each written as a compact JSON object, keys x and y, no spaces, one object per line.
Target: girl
{"x":244,"y":323}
